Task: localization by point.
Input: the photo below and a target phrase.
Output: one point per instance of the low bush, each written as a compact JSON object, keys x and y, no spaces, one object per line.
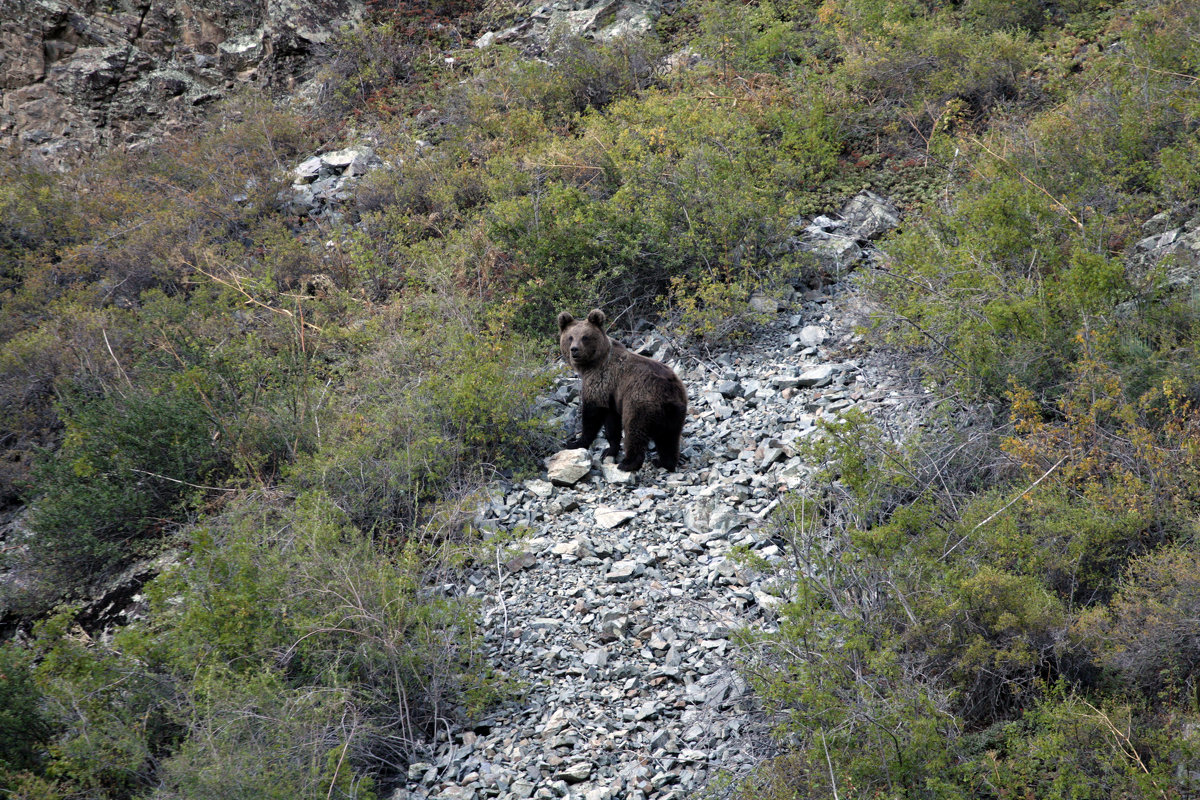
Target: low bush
{"x":288,"y":656}
{"x":1147,"y":635}
{"x":659,"y":188}
{"x":442,"y":401}
{"x":24,"y":730}
{"x":299,"y":616}
{"x":128,"y":466}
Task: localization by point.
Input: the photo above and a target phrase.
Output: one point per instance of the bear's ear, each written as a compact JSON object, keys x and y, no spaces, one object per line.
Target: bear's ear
{"x":597,"y":318}
{"x":564,"y":319}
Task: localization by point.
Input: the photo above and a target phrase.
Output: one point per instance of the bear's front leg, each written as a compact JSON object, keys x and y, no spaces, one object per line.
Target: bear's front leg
{"x":636,"y":442}
{"x":593,"y":419}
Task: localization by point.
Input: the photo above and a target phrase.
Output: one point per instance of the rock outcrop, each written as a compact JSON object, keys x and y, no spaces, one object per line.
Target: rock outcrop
{"x":1171,"y":247}
{"x":602,"y":20}
{"x":77,"y":76}
{"x":839,"y":243}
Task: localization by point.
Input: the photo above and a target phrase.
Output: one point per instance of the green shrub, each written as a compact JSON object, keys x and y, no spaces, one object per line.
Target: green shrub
{"x":1068,"y":747}
{"x":127,"y":467}
{"x":661,"y":188}
{"x":24,"y":730}
{"x":441,"y":403}
{"x":510,"y":91}
{"x":324,"y":633}
{"x":1147,"y":635}
{"x":107,"y":717}
{"x":742,"y":39}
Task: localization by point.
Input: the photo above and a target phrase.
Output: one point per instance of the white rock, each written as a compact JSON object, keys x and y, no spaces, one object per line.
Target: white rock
{"x":596,"y":658}
{"x":817,"y":376}
{"x":614,"y":474}
{"x":813,"y":335}
{"x":568,"y":467}
{"x":608,"y":517}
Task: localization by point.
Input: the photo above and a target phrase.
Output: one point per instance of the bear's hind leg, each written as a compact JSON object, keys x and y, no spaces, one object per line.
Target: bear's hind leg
{"x":668,"y":451}
{"x":612,"y":432}
{"x":636,"y":442}
{"x":667,"y":437}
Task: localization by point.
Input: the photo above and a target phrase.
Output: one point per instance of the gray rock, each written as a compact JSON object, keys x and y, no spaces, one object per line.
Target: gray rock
{"x":521,"y":562}
{"x":813,"y":335}
{"x":868,"y":216}
{"x":624,"y":571}
{"x":816,"y":376}
{"x":608,"y":517}
{"x":596,"y":658}
{"x":574,"y":549}
{"x":835,"y":253}
{"x":578,"y":772}
{"x":568,"y":467}
{"x":308,"y":170}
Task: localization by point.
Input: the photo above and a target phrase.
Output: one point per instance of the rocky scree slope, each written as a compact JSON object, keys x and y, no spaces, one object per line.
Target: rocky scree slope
{"x":615,"y":607}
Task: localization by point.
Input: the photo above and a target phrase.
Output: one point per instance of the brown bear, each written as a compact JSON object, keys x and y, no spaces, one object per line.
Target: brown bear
{"x":625,"y":392}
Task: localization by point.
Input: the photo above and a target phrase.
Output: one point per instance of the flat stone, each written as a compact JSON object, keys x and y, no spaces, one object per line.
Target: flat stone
{"x":308,"y":171}
{"x":578,"y":772}
{"x":608,"y":517}
{"x":573,"y":549}
{"x":340,"y":159}
{"x":614,"y":474}
{"x":521,"y":562}
{"x":568,"y":467}
{"x":816,"y":377}
{"x":623,"y":571}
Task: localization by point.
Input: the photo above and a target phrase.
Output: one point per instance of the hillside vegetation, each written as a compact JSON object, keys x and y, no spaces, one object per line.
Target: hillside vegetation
{"x":293,"y":415}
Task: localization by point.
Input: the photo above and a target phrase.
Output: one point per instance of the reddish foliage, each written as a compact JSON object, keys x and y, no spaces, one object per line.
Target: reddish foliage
{"x":431,"y":20}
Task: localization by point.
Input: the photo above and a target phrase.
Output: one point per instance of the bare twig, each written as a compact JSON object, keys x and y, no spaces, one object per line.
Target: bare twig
{"x":120,"y":369}
{"x":1061,"y":206}
{"x":250,"y":299}
{"x":1124,"y":743}
{"x":1029,"y":489}
{"x":829,"y":763}
{"x":185,"y":483}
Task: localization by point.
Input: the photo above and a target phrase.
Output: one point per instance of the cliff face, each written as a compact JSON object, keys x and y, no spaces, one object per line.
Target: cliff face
{"x":77,"y":74}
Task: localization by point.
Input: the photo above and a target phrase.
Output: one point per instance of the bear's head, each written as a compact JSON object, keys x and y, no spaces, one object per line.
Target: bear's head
{"x":584,"y":343}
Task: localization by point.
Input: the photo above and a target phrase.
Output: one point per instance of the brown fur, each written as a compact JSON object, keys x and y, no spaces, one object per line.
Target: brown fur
{"x":627,"y":394}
